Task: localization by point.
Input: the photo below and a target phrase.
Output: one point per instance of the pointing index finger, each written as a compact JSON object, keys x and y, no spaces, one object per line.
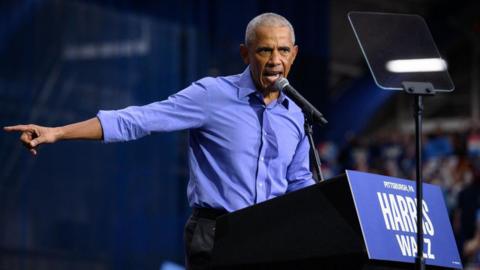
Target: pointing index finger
{"x":16,"y":128}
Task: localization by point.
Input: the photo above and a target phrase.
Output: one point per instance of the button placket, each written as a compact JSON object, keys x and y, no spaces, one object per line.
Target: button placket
{"x":262,"y":168}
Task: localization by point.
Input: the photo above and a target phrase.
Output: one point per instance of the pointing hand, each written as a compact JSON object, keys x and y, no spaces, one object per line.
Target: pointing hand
{"x":32,"y":135}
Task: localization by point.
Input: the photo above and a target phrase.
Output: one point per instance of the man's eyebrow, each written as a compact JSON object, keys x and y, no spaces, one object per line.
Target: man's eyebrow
{"x":262,"y":48}
{"x":286,"y":48}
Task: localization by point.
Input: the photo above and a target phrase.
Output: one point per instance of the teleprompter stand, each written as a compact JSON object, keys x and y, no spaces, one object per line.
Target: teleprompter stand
{"x":419,"y":90}
{"x":401,"y":55}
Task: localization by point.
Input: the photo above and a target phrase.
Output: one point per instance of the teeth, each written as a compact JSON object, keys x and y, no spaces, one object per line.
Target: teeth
{"x":272,"y":76}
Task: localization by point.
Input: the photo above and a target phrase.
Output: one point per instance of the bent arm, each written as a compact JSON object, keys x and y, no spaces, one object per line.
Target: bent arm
{"x":298,"y":172}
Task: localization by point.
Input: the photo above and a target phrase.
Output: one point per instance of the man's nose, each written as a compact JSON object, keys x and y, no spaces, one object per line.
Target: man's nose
{"x":275,"y":58}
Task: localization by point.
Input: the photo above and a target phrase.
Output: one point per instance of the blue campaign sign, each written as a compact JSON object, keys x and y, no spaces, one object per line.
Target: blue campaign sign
{"x":386,"y":207}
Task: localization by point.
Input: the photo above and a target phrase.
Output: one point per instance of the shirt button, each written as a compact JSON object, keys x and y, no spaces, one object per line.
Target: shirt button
{"x":261,"y":158}
{"x":265,"y":133}
{"x":260,"y":184}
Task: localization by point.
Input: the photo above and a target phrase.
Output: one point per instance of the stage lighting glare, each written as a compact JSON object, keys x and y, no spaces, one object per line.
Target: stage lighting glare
{"x":416,"y":65}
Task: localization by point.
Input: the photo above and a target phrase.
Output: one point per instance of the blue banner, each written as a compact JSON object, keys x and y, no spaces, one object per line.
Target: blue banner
{"x":386,"y":208}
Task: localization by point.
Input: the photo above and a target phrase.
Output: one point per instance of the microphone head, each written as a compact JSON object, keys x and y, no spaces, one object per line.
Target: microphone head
{"x":280,"y":83}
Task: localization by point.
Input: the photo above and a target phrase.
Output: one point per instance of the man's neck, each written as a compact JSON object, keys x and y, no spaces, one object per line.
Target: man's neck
{"x":270,"y":96}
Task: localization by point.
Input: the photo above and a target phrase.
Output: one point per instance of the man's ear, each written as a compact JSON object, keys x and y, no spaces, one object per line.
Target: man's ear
{"x":294,"y":52}
{"x":244,"y":53}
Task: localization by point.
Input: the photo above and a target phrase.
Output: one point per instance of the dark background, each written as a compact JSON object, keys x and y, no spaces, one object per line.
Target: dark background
{"x":81,"y":205}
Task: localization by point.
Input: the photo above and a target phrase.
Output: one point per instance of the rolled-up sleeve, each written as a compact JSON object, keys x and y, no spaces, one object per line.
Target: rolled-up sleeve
{"x":183,"y":110}
{"x":298,"y":172}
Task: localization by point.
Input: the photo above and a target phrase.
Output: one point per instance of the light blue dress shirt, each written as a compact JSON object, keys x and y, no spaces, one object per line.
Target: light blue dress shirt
{"x":241,"y":151}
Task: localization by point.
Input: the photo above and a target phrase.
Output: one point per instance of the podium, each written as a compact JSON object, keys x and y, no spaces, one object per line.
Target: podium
{"x":322,"y":227}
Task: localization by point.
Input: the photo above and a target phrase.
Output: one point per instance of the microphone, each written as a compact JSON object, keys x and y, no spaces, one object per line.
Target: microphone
{"x":308,"y":109}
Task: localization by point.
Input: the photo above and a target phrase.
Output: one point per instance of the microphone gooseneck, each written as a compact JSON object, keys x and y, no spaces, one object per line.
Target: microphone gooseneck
{"x":308,"y":109}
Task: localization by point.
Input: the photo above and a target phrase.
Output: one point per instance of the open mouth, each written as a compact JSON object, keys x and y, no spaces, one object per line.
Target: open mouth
{"x":272,"y":76}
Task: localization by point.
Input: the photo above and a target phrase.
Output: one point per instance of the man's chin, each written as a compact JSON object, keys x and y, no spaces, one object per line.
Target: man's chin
{"x":267,"y":87}
{"x":270,"y":89}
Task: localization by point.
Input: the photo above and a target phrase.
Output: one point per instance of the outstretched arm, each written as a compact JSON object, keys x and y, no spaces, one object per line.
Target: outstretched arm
{"x":33,"y":135}
{"x":183,"y":110}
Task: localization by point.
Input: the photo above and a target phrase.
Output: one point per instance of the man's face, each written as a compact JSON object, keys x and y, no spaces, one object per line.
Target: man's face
{"x":269,"y":55}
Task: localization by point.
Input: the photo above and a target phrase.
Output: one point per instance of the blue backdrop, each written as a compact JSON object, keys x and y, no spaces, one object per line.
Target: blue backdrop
{"x":85,"y":205}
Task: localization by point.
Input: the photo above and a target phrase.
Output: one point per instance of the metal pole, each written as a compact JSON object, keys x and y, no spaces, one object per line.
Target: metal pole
{"x":475,"y":98}
{"x":318,"y":167}
{"x":419,"y":260}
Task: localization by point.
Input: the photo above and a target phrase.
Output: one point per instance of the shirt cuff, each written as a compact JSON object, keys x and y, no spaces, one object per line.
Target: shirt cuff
{"x":109,"y":123}
{"x":296,"y":185}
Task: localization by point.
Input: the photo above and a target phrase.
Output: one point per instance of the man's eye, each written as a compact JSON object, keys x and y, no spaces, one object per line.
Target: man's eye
{"x":264,"y":51}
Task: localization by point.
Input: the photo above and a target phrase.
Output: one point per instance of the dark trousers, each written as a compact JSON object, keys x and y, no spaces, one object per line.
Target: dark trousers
{"x":199,"y":236}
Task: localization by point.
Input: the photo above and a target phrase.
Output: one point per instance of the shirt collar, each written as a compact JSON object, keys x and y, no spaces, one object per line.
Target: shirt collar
{"x":246,"y":87}
{"x":245,"y":84}
{"x":282,"y":99}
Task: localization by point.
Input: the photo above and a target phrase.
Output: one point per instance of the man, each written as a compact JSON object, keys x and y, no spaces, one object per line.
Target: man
{"x":247,"y":141}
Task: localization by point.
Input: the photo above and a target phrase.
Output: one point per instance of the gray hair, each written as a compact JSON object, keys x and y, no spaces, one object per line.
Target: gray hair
{"x":266,"y":19}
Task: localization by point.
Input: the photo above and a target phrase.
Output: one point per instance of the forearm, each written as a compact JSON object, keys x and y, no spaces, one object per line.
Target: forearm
{"x":90,"y":129}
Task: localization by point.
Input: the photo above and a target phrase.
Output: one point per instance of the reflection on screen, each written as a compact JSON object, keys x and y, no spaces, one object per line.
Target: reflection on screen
{"x":399,"y":48}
